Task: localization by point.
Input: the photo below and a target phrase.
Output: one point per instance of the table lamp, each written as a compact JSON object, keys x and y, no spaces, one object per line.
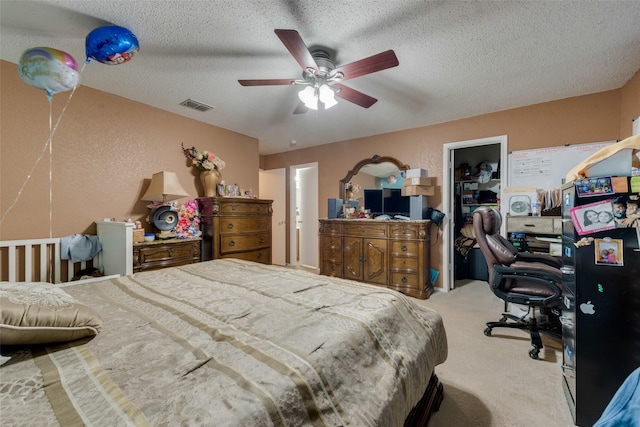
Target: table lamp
{"x":164,"y":187}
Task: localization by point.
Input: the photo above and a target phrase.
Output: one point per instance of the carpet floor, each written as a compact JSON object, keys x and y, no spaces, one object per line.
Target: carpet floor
{"x":492,"y":381}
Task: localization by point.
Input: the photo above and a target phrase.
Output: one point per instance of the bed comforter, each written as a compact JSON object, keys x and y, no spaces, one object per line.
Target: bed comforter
{"x":230,"y":343}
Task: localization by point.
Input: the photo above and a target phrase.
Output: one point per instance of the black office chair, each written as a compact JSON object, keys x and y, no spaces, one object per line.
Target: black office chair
{"x":520,"y":278}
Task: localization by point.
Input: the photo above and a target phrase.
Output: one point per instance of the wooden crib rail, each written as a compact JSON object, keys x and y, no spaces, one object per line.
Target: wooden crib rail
{"x":38,"y":260}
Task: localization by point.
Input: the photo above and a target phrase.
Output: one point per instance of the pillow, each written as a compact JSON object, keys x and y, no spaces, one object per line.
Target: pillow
{"x":41,"y":313}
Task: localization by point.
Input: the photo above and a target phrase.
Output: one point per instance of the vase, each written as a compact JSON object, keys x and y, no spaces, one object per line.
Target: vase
{"x":349,"y":195}
{"x":210,"y":181}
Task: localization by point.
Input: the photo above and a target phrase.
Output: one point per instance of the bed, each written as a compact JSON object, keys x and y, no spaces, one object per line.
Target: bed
{"x":232,"y":343}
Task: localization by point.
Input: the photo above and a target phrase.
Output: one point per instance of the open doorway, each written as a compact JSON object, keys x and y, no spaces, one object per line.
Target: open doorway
{"x":467,"y":184}
{"x":303,"y":246}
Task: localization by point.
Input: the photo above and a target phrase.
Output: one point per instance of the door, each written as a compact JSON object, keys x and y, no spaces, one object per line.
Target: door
{"x":375,"y":261}
{"x":304,"y":206}
{"x":452,"y":153}
{"x":273,"y":187}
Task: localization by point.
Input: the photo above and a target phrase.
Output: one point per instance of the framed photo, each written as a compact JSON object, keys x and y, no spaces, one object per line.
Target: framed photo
{"x":232,"y":190}
{"x":220,"y":190}
{"x":609,"y":252}
{"x":594,"y":186}
{"x":593,"y":217}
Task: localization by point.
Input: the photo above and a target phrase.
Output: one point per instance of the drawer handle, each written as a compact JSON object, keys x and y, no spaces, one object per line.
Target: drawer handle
{"x":404,"y":248}
{"x":259,"y":255}
{"x":230,"y":226}
{"x":404,"y":279}
{"x":529,"y":225}
{"x":233,"y":207}
{"x":262,"y":240}
{"x":333,"y":242}
{"x":232,"y":243}
{"x":259,"y":225}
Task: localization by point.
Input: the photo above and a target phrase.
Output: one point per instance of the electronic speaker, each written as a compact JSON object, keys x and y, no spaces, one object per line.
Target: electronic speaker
{"x":334,"y":208}
{"x":418,"y":207}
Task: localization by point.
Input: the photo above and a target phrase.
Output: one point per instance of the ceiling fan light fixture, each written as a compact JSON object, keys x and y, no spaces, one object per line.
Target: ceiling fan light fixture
{"x":309,"y":97}
{"x":327,"y":96}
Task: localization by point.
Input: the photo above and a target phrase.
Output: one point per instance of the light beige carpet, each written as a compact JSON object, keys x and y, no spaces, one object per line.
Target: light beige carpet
{"x":492,"y":381}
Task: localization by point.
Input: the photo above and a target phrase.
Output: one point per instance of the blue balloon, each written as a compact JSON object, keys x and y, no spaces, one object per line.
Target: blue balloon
{"x":111,"y":45}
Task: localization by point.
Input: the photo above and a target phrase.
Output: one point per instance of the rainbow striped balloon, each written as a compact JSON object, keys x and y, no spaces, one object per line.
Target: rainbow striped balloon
{"x":49,"y":69}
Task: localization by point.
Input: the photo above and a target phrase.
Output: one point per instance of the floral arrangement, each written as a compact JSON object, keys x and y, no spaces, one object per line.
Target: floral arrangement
{"x":188,"y":219}
{"x":352,"y":186}
{"x":203,"y":160}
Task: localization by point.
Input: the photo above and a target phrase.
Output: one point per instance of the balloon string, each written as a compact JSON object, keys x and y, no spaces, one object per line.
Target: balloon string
{"x":44,"y":148}
{"x":50,"y":170}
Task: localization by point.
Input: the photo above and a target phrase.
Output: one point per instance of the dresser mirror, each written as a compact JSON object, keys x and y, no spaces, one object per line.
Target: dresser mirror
{"x":366,"y":174}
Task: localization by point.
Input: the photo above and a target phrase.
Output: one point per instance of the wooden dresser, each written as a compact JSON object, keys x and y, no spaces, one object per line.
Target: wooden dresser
{"x":235,"y":227}
{"x":394,"y":254}
{"x":165,"y":253}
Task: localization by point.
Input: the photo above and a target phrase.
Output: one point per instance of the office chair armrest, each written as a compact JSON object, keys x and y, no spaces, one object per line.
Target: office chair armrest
{"x":536,"y":268}
{"x":543,"y":258}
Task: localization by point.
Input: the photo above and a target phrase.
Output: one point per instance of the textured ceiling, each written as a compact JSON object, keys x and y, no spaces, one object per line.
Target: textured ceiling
{"x":457,"y":59}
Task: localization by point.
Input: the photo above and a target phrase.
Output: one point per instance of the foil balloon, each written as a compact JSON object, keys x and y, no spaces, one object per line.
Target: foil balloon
{"x":49,"y":69}
{"x":111,"y":45}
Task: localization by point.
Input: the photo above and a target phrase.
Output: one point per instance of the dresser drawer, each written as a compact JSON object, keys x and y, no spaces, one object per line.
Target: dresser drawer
{"x":404,"y":279}
{"x":404,"y":247}
{"x":364,"y":229}
{"x":244,"y":208}
{"x":404,"y":263}
{"x":151,"y":256}
{"x":407,"y":230}
{"x":241,"y":225}
{"x":329,"y":268}
{"x":328,"y":227}
{"x":244,"y":242}
{"x":332,"y":254}
{"x":334,"y":242}
{"x":261,"y":255}
{"x":534,"y":224}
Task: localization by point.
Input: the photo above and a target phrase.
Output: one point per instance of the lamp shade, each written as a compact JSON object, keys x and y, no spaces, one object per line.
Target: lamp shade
{"x":164,"y":187}
{"x":308,"y":96}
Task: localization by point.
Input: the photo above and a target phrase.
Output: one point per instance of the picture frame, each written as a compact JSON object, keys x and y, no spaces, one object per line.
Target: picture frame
{"x":609,"y":252}
{"x":220,"y":190}
{"x":593,"y":217}
{"x":232,"y":190}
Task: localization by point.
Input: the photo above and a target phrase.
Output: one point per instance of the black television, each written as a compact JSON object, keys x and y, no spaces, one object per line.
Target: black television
{"x":394,"y":203}
{"x":373,"y":201}
{"x":388,"y":201}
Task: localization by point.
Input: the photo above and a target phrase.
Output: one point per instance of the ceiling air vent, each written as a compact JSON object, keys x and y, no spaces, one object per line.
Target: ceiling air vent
{"x":196,"y":105}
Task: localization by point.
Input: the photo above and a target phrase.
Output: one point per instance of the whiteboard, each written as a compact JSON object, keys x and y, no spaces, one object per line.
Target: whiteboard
{"x":546,"y":168}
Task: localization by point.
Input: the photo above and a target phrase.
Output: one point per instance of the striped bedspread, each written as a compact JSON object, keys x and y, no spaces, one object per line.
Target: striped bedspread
{"x":230,"y":343}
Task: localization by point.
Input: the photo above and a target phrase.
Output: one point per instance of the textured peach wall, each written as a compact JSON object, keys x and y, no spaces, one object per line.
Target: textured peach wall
{"x":105,"y":151}
{"x":591,"y":118}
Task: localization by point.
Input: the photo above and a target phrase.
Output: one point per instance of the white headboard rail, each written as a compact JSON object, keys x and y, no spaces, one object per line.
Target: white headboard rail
{"x":50,"y":265}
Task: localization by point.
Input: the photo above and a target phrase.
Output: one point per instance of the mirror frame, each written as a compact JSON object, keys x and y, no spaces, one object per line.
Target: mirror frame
{"x":374,"y":160}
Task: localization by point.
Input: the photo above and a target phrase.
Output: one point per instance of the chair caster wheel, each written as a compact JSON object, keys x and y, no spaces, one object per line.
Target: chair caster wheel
{"x":487,"y":332}
{"x":533,"y":353}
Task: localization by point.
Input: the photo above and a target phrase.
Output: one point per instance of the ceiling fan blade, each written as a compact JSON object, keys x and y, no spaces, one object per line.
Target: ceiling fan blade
{"x":293,"y":42}
{"x":300,"y":108}
{"x":372,"y":64}
{"x":354,"y":96}
{"x":267,"y":82}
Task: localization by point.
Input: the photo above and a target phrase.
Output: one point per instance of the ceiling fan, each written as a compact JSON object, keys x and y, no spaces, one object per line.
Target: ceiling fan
{"x":321,"y":76}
